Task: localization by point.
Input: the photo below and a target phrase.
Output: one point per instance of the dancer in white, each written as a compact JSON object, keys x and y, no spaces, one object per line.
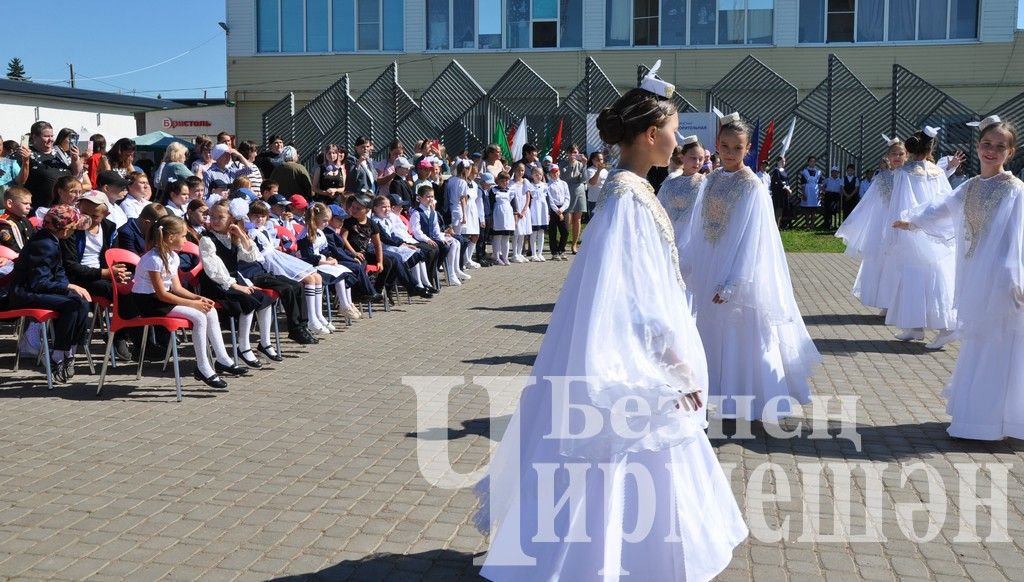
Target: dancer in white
{"x":867,"y":231}
{"x":759,"y":352}
{"x":918,"y":272}
{"x":646,"y":505}
{"x":679,"y":193}
{"x":985,"y":216}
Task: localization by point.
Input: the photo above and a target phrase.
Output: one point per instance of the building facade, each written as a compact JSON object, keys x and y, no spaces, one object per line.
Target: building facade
{"x":966,"y":48}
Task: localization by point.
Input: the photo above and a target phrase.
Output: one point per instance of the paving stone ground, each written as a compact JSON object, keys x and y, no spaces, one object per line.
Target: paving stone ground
{"x":309,"y":468}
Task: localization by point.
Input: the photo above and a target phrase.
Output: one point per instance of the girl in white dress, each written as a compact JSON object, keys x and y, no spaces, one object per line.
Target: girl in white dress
{"x":760,"y":355}
{"x":539,"y":212}
{"x":679,"y":193}
{"x":504,"y":218}
{"x":520,"y":191}
{"x":918,"y":272}
{"x":398,"y":240}
{"x":985,"y":217}
{"x":867,"y":231}
{"x":315,"y":249}
{"x":473,"y":217}
{"x":647,"y":505}
{"x":277,"y":262}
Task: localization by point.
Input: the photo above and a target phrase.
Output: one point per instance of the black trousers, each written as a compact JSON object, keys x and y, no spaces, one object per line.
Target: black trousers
{"x":558,"y":232}
{"x":358,"y":280}
{"x":830,"y":207}
{"x":73,"y":315}
{"x":291,"y":298}
{"x":849,"y":204}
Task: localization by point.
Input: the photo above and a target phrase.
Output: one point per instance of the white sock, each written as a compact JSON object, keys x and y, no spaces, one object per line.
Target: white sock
{"x":312,"y":305}
{"x":421,"y":274}
{"x":467,"y":253}
{"x":263,"y":316}
{"x":518,"y":250}
{"x":320,"y":306}
{"x":244,"y":329}
{"x":452,"y":259}
{"x":340,"y":290}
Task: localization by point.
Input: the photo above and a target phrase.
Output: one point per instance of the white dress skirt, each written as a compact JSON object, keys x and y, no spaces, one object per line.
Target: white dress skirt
{"x":277,"y":262}
{"x":504,"y":218}
{"x":331,"y":273}
{"x":757,"y":344}
{"x":539,"y":212}
{"x":985,"y":218}
{"x":524,"y":226}
{"x":474,"y":210}
{"x":620,"y":323}
{"x":866,"y":232}
{"x":918,"y":272}
{"x":387,"y":226}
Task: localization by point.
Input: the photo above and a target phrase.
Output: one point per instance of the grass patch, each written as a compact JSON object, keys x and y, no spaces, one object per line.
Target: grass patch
{"x":809,"y":241}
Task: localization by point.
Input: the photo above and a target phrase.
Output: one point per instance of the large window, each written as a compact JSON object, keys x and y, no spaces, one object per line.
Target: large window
{"x":508,"y":24}
{"x":688,"y":22}
{"x":318,"y":26}
{"x":887,"y":20}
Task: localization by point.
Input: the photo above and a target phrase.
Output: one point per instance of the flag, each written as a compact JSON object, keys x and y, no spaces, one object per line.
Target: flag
{"x":751,"y":158}
{"x":788,"y":140}
{"x":511,"y":135}
{"x":499,"y":138}
{"x":545,"y":143}
{"x":556,"y":146}
{"x":518,"y":141}
{"x":766,"y":147}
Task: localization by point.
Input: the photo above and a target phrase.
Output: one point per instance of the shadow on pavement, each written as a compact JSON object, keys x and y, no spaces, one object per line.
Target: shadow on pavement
{"x":432,"y":566}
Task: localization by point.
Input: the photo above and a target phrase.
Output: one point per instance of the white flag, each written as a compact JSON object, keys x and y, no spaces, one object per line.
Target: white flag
{"x":786,"y":141}
{"x":518,"y":141}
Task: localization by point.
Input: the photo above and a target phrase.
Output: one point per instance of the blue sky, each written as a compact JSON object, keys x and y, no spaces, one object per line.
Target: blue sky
{"x":178,"y":45}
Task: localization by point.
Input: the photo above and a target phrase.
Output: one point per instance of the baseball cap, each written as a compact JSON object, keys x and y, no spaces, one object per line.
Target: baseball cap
{"x":548,"y":159}
{"x":219,"y":150}
{"x":246,"y":193}
{"x":217,"y":183}
{"x":403,"y":163}
{"x":96,"y":197}
{"x":298,"y":202}
{"x":476,"y":155}
{"x":487,"y":178}
{"x":110,"y":178}
{"x":278,"y":199}
{"x":337,"y":210}
{"x":364,"y":200}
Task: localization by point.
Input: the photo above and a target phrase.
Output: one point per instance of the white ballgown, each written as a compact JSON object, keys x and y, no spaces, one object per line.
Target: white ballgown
{"x":620,"y":322}
{"x":985,"y":216}
{"x":917,"y":276}
{"x":756,"y":342}
{"x":679,"y":195}
{"x":867,"y":232}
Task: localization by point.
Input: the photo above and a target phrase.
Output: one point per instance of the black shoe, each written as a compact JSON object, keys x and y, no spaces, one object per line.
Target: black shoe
{"x":265,"y":350}
{"x":302,"y":336}
{"x":254,"y":362}
{"x":69,"y":367}
{"x":233,"y":370}
{"x":59,"y":371}
{"x":214,"y":381}
{"x":421,"y":292}
{"x":376,"y":297}
{"x":121,"y":349}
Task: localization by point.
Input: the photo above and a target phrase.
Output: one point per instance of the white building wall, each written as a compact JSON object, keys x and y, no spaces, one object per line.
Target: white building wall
{"x":997,"y":20}
{"x":241,"y":20}
{"x":415,"y":26}
{"x":593,"y":24}
{"x":785,"y":22}
{"x":17,"y":114}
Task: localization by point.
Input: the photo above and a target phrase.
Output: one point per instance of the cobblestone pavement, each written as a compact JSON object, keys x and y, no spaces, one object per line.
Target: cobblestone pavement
{"x":310,"y":467}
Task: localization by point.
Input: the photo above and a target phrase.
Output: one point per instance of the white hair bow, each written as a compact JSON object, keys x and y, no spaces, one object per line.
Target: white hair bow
{"x":984,"y":123}
{"x":688,"y":140}
{"x":931,"y":132}
{"x":652,"y":83}
{"x":891,"y":141}
{"x":724,"y":119}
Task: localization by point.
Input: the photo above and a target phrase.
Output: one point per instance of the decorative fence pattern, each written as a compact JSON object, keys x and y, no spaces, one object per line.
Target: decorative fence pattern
{"x":839,"y":121}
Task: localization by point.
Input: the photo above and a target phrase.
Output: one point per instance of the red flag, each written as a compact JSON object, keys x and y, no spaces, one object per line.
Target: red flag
{"x":766,"y":147}
{"x":511,"y":135}
{"x":556,"y":145}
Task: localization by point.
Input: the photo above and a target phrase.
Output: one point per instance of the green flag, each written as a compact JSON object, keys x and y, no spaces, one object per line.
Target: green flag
{"x":499,"y":138}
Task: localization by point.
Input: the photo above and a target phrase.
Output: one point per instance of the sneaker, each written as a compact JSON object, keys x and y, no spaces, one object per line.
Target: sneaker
{"x":353,"y":311}
{"x":59,"y":371}
{"x":535,"y":259}
{"x":473,"y":265}
{"x":945,"y":336}
{"x":907,"y":335}
{"x":463,"y":275}
{"x":122,"y":350}
{"x":330,"y":326}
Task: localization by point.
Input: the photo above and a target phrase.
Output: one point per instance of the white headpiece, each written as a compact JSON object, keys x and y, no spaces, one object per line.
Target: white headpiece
{"x":239,"y":208}
{"x":891,"y":141}
{"x":930,"y":131}
{"x":688,"y":140}
{"x":655,"y":84}
{"x":724,"y":119}
{"x":984,"y":123}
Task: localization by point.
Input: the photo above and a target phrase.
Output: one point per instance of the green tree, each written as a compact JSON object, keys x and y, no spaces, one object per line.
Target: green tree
{"x":16,"y":71}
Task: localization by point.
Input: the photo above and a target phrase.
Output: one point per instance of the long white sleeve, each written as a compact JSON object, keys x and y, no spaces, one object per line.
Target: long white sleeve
{"x":212,"y":265}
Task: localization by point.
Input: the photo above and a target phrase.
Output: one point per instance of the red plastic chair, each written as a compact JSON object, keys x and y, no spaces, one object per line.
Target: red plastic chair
{"x":117,"y":323}
{"x":42,"y":316}
{"x":285,"y":233}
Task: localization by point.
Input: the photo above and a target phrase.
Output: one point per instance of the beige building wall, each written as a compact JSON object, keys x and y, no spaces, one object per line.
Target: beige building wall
{"x":981,"y":75}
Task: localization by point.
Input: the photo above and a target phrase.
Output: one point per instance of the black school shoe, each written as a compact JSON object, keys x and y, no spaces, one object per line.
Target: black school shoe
{"x":265,"y":350}
{"x":232,"y":370}
{"x":302,"y":336}
{"x":213,"y":381}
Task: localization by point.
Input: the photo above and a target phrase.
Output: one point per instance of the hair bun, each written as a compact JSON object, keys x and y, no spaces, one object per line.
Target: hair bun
{"x":611,"y":126}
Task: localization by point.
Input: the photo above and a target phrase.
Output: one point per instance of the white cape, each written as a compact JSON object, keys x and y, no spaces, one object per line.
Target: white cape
{"x":757,"y":344}
{"x":986,"y":219}
{"x":867,"y":232}
{"x":621,"y":321}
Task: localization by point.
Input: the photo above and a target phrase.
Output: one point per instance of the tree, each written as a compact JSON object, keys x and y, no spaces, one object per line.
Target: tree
{"x":16,"y":71}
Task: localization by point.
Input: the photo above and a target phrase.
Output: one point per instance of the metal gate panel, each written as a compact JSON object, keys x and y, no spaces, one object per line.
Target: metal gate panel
{"x":278,"y":119}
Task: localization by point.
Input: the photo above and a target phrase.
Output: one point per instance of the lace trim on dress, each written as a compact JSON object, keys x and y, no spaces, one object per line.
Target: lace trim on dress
{"x":680,"y":194}
{"x":981,"y":199}
{"x":622,"y":182}
{"x":722,"y":191}
{"x":884,"y":180}
{"x":923,"y":168}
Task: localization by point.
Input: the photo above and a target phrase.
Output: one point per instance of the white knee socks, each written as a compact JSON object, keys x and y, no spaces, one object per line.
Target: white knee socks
{"x":537,"y":243}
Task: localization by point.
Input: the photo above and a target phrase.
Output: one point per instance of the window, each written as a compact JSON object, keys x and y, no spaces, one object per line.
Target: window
{"x":498,"y":24}
{"x":673,"y":23}
{"x":731,"y":21}
{"x":518,"y":24}
{"x":760,"y":21}
{"x":463,"y":17}
{"x":267,"y":23}
{"x":571,"y":23}
{"x":839,"y":21}
{"x":703,"y":20}
{"x":318,"y":26}
{"x":616,"y":23}
{"x":489,"y":24}
{"x":887,"y":20}
{"x":545,"y":23}
{"x":645,"y":22}
{"x":437,"y":25}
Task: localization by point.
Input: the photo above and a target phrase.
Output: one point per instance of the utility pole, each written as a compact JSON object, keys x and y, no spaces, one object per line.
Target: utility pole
{"x":71,"y":68}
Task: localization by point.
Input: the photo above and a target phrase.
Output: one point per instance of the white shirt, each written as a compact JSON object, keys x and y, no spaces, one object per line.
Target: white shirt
{"x":594,"y":192}
{"x":834,"y":184}
{"x":149,"y":263}
{"x":558,"y":195}
{"x":117,"y":215}
{"x":215,"y":268}
{"x":417,"y":232}
{"x":133,"y":207}
{"x":93,"y":245}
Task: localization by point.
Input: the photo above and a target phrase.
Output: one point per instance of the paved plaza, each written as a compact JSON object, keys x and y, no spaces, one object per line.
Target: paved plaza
{"x":309,"y":468}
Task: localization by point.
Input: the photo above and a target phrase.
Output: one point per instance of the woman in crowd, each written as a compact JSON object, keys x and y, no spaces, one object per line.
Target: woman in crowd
{"x":329,"y":176}
{"x":120,"y":158}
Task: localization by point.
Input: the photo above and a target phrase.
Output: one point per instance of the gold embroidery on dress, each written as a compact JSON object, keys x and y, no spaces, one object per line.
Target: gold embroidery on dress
{"x":884,"y":180}
{"x":923,"y":168}
{"x":679,"y":195}
{"x":981,"y":199}
{"x":720,"y":196}
{"x":622,"y":182}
